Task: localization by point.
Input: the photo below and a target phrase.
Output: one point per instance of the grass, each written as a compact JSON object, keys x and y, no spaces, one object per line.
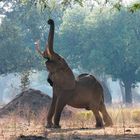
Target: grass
{"x":80,"y":125}
{"x":136,"y":116}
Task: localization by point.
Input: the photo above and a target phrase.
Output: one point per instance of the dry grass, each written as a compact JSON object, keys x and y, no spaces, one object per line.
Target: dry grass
{"x":80,"y":126}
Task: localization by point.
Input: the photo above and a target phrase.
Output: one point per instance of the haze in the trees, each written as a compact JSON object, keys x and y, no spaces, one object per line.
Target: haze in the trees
{"x":107,"y":39}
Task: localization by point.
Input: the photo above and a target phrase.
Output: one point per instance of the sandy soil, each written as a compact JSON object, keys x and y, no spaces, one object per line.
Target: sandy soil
{"x":79,"y":126}
{"x":18,"y":129}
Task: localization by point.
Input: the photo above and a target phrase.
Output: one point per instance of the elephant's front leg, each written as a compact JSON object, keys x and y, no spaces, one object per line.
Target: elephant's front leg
{"x":51,"y":112}
{"x":60,"y":104}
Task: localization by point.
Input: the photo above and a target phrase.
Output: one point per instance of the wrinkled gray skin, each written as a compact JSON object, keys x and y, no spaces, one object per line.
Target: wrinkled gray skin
{"x":81,"y":92}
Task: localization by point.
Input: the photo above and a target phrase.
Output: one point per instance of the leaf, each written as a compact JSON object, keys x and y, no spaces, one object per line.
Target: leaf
{"x":134,"y":7}
{"x":118,"y":6}
{"x":80,"y":2}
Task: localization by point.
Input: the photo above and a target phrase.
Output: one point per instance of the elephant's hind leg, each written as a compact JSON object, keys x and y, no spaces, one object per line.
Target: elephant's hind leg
{"x":99,"y":122}
{"x":107,"y":119}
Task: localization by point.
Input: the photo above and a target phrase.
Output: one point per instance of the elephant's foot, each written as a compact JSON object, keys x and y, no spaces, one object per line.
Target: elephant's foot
{"x":99,"y":125}
{"x":107,"y":124}
{"x":56,"y":126}
{"x":49,"y":125}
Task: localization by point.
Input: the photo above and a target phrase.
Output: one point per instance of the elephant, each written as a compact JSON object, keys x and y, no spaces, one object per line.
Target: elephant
{"x":83,"y":91}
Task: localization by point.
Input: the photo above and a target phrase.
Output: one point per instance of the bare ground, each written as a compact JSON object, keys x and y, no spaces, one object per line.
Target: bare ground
{"x":14,"y":128}
{"x":80,"y":125}
{"x":25,"y":119}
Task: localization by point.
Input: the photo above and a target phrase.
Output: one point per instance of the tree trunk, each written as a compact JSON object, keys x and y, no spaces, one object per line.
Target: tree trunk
{"x":128,"y":93}
{"x":1,"y":98}
{"x":122,"y":91}
{"x":107,"y":94}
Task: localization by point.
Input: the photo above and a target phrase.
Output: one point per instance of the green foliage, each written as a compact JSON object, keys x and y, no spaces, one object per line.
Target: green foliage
{"x":16,"y":48}
{"x":134,"y":7}
{"x":107,"y":41}
{"x":98,"y":40}
{"x":118,"y":6}
{"x":69,"y":2}
{"x":65,"y":4}
{"x":103,"y":42}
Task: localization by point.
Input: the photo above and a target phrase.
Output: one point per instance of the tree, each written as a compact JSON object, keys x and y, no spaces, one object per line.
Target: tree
{"x":51,"y":5}
{"x":129,"y":49}
{"x":76,"y":40}
{"x":101,"y":40}
{"x":15,"y":56}
{"x":25,"y":82}
{"x":121,"y":56}
{"x":18,"y":31}
{"x":108,"y":43}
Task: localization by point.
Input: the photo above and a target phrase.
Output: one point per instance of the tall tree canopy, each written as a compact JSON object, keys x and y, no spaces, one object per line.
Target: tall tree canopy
{"x":104,"y":43}
{"x":100,"y":39}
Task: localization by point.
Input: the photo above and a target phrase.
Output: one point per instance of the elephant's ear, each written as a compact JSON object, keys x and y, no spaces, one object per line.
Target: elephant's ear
{"x":64,"y":79}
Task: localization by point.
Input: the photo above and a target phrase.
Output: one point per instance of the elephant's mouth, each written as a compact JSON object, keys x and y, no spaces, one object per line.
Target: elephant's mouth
{"x":47,"y":58}
{"x":47,"y":61}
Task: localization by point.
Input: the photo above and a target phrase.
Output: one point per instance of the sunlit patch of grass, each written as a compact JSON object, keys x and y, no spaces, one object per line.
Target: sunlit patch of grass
{"x":84,"y":118}
{"x":136,"y":116}
{"x":84,"y":115}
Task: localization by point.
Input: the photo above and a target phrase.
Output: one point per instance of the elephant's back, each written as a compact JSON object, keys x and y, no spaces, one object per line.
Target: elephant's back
{"x":89,"y":84}
{"x":87,"y":80}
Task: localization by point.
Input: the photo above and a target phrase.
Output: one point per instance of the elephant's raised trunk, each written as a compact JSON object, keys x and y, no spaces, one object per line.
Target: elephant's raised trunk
{"x":51,"y":36}
{"x":49,"y":45}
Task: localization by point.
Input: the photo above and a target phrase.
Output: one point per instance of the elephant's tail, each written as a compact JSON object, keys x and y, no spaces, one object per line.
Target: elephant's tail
{"x":102,"y":93}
